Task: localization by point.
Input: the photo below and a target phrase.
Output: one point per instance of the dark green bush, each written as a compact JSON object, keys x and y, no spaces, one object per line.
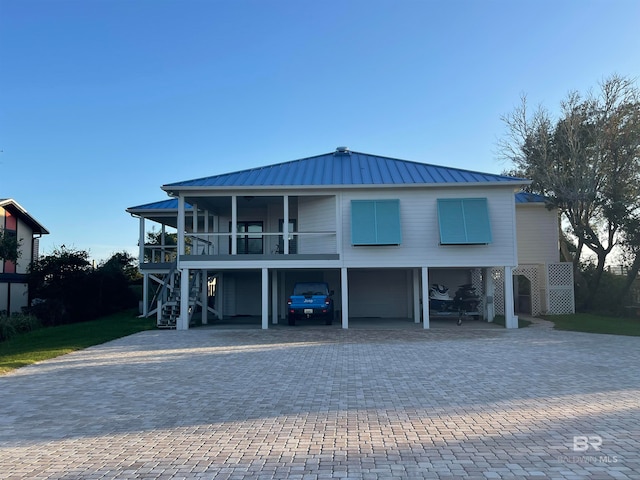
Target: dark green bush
{"x":11,"y":325}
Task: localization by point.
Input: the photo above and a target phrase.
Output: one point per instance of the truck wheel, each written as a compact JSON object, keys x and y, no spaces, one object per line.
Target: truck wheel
{"x":328,"y":320}
{"x":292,"y":321}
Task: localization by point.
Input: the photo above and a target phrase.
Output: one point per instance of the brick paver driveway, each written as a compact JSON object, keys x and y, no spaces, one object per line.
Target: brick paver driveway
{"x":327,"y":403}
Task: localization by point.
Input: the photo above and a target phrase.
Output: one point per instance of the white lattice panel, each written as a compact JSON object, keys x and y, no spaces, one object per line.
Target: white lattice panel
{"x":551,"y":288}
{"x":560,"y":288}
{"x":497,"y":275}
{"x":560,"y":274}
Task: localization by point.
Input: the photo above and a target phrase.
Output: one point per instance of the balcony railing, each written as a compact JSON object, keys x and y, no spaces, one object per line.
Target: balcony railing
{"x":160,"y":253}
{"x":219,"y":244}
{"x":320,"y":243}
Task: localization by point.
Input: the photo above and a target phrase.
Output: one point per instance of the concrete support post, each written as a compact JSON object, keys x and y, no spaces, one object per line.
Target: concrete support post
{"x":416,"y":295}
{"x":425,"y":297}
{"x":274,"y":297}
{"x":145,"y":295}
{"x":344,"y":284}
{"x":183,"y":321}
{"x":265,"y":298}
{"x":204,"y":296}
{"x":510,"y":318}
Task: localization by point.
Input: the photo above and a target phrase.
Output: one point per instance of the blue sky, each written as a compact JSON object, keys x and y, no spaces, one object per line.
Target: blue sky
{"x":102,"y":102}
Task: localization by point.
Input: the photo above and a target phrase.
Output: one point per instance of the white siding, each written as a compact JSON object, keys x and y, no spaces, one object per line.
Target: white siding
{"x":420,"y":232}
{"x":317,"y":214}
{"x":25,"y":235}
{"x":537,"y":229}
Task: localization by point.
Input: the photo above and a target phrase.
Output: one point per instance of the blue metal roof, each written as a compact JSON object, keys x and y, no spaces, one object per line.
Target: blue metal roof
{"x":344,"y":168}
{"x":169,"y":204}
{"x":526,"y":197}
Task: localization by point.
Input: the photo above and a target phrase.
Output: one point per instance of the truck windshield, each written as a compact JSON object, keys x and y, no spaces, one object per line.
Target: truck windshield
{"x":310,"y":289}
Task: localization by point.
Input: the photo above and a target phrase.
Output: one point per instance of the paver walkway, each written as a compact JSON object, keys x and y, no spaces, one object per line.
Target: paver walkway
{"x":327,"y":403}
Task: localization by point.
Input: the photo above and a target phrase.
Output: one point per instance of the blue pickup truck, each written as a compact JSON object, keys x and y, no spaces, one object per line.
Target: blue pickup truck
{"x":310,"y":299}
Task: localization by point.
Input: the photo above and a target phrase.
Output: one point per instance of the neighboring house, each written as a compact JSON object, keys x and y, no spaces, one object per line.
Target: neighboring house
{"x":379,"y":230}
{"x":15,"y":220}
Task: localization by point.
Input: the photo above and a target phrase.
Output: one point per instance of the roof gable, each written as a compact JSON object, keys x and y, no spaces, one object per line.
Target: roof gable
{"x":345,"y":168}
{"x":17,"y":209}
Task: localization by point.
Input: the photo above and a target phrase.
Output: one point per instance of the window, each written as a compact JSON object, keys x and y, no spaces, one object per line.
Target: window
{"x":375,"y":222}
{"x":246,"y":242}
{"x":464,"y":221}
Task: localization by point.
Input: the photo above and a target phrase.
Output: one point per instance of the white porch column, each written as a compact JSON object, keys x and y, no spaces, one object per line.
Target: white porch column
{"x":510,"y":318}
{"x":416,"y":295}
{"x":425,"y":296}
{"x":204,"y":296}
{"x":265,"y":298}
{"x":344,"y":288}
{"x":183,"y":321}
{"x":145,"y":295}
{"x":274,"y":297}
{"x":234,"y":225}
{"x":141,"y":242}
{"x":207,"y":244}
{"x":285,"y":226}
{"x":181,"y":225}
{"x":163,"y":242}
{"x":220,"y":295}
{"x":194,"y":229}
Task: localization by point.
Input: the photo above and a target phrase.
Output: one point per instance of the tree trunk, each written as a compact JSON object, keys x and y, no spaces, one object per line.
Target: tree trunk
{"x":631,"y":276}
{"x":595,"y":282}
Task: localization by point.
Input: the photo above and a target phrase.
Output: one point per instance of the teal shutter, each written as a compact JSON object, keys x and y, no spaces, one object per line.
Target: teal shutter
{"x":464,"y":221}
{"x":388,"y":222}
{"x":476,"y":219}
{"x":375,"y":222}
{"x":363,"y":222}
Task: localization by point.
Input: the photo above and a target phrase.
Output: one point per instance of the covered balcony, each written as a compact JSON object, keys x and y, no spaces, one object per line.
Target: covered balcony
{"x":228,"y":228}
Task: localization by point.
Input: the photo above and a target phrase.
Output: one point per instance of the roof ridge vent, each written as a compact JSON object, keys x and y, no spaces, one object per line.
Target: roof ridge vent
{"x":343,"y":150}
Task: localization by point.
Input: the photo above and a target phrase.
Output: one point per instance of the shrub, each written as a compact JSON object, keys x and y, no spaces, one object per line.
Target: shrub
{"x":11,"y":325}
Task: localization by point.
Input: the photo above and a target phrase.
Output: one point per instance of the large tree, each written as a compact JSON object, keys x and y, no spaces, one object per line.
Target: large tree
{"x":587,"y":163}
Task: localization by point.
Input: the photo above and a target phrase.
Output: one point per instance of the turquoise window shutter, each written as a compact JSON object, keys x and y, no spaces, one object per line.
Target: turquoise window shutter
{"x":464,"y":221}
{"x":476,"y":218}
{"x":451,"y":222}
{"x":375,"y":222}
{"x":388,"y":222}
{"x":363,"y":222}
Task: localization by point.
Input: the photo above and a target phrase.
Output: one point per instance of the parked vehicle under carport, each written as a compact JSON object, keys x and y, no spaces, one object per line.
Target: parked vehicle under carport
{"x":310,"y":300}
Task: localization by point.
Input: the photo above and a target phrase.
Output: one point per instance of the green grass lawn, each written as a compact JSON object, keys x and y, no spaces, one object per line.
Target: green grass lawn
{"x":51,"y":342}
{"x":590,"y":323}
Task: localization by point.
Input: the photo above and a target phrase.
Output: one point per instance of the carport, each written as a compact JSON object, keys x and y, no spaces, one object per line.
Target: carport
{"x":378,"y":296}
